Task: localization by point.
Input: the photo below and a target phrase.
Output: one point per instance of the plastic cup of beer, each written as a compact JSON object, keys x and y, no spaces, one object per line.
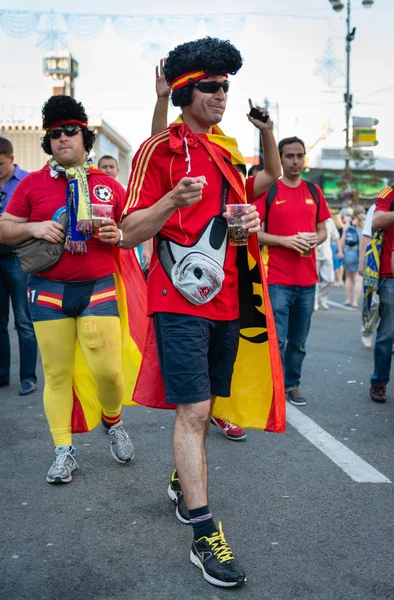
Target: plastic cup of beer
{"x":100,"y":212}
{"x":237,"y":235}
{"x":306,"y":235}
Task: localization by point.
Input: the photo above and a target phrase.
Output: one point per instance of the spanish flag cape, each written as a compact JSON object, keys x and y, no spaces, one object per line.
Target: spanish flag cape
{"x":257,"y":393}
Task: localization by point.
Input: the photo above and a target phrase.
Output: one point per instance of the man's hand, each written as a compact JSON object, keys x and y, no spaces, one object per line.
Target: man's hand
{"x":296,"y":243}
{"x":340,"y":254}
{"x":109,"y":232}
{"x":188,"y":191}
{"x":312,"y":240}
{"x":146,"y":257}
{"x":162,"y":88}
{"x":259,"y":124}
{"x":51,"y":231}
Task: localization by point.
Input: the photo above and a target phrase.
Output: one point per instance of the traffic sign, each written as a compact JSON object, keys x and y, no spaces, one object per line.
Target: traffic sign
{"x":364,"y":137}
{"x":364,"y":122}
{"x":343,"y":154}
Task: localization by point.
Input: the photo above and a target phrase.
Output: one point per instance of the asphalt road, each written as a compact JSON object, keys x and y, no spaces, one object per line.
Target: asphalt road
{"x":301,"y":526}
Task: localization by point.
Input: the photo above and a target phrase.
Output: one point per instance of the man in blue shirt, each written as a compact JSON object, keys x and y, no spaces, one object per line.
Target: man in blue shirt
{"x":13,"y":284}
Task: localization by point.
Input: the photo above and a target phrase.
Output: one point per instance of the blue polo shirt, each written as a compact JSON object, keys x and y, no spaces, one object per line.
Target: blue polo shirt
{"x":8,"y":189}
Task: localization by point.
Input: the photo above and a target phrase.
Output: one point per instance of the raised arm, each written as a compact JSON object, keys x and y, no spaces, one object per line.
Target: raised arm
{"x":160,"y":113}
{"x":272,"y":167}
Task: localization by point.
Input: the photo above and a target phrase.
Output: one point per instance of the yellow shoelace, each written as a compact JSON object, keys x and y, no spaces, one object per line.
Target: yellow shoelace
{"x":219,"y":545}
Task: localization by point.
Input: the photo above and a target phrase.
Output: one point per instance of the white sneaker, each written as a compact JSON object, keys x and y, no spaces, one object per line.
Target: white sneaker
{"x":63,"y":465}
{"x":316,"y":308}
{"x":367,"y":340}
{"x":324,"y":305}
{"x":121,"y":446}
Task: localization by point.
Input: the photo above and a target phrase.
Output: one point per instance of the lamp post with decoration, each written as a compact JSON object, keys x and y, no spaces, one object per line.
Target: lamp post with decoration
{"x":338,"y":5}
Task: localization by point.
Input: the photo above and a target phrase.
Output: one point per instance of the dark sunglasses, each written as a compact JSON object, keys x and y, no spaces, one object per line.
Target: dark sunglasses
{"x":2,"y":197}
{"x":212,"y":87}
{"x":68,"y":130}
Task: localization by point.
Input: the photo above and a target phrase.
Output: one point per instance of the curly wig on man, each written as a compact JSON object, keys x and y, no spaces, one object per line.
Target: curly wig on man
{"x":62,"y":107}
{"x":207,"y":54}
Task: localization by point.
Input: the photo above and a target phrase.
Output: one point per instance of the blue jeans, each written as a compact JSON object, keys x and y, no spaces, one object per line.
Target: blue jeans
{"x":384,"y":334}
{"x":293,"y":308}
{"x":13,"y":285}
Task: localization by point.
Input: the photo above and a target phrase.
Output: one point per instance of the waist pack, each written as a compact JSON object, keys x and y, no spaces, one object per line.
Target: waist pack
{"x":36,"y":255}
{"x":197,"y":271}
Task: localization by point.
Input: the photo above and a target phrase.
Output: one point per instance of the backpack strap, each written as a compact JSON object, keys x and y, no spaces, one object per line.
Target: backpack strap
{"x":272,"y":191}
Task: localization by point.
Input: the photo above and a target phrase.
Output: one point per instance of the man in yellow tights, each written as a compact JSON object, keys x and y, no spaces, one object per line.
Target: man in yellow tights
{"x":76,"y":298}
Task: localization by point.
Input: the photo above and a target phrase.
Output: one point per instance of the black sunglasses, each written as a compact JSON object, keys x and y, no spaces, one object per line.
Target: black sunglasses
{"x":2,"y":197}
{"x":68,"y":130}
{"x":212,"y":87}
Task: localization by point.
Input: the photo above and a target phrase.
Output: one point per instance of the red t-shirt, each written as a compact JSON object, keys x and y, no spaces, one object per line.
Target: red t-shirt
{"x":292,"y":211}
{"x":383,"y":203}
{"x":39,"y":196}
{"x":156,"y":171}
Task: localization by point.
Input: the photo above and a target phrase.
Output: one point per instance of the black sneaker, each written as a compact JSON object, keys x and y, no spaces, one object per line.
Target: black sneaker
{"x":213,"y":556}
{"x":175,"y":493}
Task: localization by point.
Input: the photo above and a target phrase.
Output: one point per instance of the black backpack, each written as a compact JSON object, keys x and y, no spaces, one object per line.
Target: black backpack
{"x":273,"y":190}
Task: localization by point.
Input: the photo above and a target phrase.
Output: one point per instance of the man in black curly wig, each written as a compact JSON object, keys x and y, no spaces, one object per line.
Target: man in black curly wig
{"x":182,"y":178}
{"x":73,"y":304}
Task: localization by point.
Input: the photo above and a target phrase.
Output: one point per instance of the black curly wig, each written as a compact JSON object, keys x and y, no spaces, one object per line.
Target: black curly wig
{"x":67,"y":108}
{"x":207,"y":54}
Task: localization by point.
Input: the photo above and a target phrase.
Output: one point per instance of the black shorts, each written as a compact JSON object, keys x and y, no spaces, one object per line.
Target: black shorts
{"x":196,"y":356}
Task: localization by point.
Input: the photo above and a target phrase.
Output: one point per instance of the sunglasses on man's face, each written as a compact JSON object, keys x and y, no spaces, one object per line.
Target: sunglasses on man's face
{"x":212,"y":87}
{"x":68,"y":130}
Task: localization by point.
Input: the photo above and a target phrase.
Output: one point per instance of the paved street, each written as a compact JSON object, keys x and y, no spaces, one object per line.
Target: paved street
{"x":308,"y":513}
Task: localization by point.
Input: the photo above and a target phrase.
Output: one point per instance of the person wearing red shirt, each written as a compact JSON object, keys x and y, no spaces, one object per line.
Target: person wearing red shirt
{"x":384,"y":219}
{"x":293,"y":228}
{"x":76,"y":298}
{"x":181,"y":178}
{"x":159,"y":123}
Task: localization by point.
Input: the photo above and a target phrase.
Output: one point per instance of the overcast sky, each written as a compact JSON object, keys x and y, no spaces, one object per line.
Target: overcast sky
{"x":280,"y":46}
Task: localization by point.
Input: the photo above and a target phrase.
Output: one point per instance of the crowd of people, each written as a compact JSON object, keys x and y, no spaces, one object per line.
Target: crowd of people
{"x":204,"y":294}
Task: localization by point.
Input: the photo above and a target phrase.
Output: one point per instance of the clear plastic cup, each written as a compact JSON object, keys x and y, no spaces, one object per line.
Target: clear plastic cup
{"x":306,"y":235}
{"x":99,"y":213}
{"x":237,"y":235}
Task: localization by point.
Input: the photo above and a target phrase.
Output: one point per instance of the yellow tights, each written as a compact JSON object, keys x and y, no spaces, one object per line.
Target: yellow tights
{"x":100,"y":341}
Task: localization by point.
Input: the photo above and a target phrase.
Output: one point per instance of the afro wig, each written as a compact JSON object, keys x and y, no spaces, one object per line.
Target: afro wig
{"x":62,"y":107}
{"x":207,"y":54}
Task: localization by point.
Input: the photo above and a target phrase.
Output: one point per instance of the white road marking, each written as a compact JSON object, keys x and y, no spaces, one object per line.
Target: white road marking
{"x":337,"y":305}
{"x":346,"y":459}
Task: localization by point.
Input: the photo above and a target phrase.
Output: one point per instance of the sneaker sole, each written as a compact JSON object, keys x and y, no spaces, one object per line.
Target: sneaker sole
{"x":235,"y":439}
{"x":297,"y":403}
{"x":59,"y":480}
{"x":172,"y":495}
{"x":196,"y":561}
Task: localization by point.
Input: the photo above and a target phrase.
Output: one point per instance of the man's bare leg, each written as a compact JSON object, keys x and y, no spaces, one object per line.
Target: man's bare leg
{"x":191,"y":426}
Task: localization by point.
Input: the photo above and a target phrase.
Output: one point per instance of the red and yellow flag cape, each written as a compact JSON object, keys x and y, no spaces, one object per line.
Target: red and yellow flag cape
{"x":257,"y":393}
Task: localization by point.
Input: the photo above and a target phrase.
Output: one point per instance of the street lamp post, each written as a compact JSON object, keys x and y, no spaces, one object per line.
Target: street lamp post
{"x":337,"y":5}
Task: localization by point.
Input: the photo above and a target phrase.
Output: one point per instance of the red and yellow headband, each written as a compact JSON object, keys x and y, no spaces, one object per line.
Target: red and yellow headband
{"x":67,"y":122}
{"x":184,"y":80}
